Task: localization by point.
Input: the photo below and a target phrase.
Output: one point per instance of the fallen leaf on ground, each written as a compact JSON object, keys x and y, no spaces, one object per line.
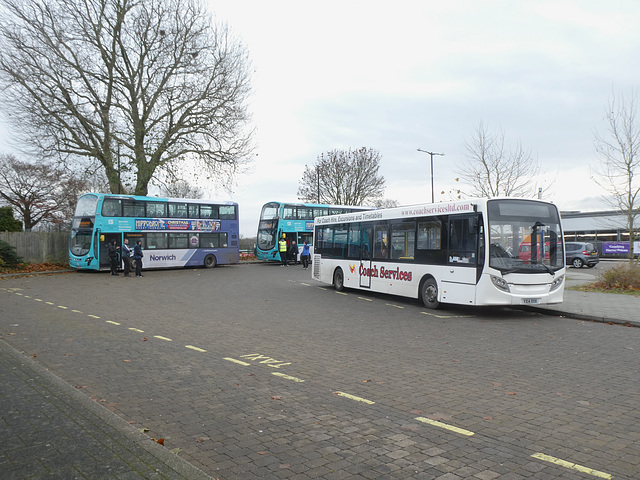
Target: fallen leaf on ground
{"x":159,"y":440}
{"x":202,"y":439}
{"x":510,"y":393}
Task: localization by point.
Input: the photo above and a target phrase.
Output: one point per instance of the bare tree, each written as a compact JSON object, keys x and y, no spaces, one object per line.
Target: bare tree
{"x":386,"y":203}
{"x":181,"y":189}
{"x":491,"y":169}
{"x":130,"y":85}
{"x":343,"y":178}
{"x":619,"y":152}
{"x":40,"y":193}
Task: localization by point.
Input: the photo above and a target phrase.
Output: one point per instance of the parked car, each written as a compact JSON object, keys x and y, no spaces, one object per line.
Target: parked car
{"x":579,"y":254}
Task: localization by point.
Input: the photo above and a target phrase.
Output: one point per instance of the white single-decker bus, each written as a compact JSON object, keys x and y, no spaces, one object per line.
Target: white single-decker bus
{"x":500,"y":251}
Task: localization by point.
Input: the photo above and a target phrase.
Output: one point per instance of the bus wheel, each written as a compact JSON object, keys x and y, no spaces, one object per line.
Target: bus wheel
{"x":430,"y":294}
{"x":338,"y":280}
{"x":210,"y":261}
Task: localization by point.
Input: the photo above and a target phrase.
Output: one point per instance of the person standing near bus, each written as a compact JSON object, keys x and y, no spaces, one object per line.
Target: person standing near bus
{"x":126,"y":257}
{"x":112,"y":251}
{"x":137,"y":256}
{"x":282,"y":247}
{"x":294,"y":251}
{"x":305,"y":256}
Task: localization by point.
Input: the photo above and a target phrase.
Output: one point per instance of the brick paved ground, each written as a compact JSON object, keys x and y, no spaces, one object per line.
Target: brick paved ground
{"x":191,"y":355}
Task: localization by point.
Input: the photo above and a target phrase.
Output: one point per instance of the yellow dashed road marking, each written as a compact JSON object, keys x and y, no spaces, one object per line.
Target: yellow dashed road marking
{"x":112,"y":323}
{"x":38,"y":299}
{"x":63,"y":307}
{"x":572,"y":466}
{"x":76,"y":311}
{"x":163,"y":338}
{"x":353,"y":397}
{"x":445,"y":426}
{"x":49,"y":303}
{"x":341,"y":293}
{"x":136,"y":330}
{"x":239,"y":362}
{"x":93,"y":316}
{"x":195,"y":348}
{"x":287,"y":377}
{"x":367,"y":299}
{"x":395,"y":306}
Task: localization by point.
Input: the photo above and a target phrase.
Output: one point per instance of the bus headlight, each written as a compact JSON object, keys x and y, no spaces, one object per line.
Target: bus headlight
{"x":500,"y":283}
{"x":556,"y":283}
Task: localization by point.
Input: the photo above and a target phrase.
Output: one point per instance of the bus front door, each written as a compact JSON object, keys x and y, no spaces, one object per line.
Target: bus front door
{"x":106,"y":239}
{"x":365,"y":256}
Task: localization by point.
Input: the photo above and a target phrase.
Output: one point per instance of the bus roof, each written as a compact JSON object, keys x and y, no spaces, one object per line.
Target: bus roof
{"x":418,"y":210}
{"x":319,"y":205}
{"x":158,"y":199}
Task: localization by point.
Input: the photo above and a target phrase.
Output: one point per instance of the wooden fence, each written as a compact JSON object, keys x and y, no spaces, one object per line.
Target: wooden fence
{"x":39,"y":247}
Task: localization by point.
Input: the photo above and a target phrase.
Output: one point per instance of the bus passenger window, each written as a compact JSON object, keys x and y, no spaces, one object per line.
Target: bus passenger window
{"x":178,"y":240}
{"x":381,"y":242}
{"x":178,"y":210}
{"x":206,"y":211}
{"x":403,"y":237}
{"x":156,"y":240}
{"x":227,"y":212}
{"x":133,"y":208}
{"x":112,"y":207}
{"x":194,"y":210}
{"x":156,"y":209}
{"x":462,"y":241}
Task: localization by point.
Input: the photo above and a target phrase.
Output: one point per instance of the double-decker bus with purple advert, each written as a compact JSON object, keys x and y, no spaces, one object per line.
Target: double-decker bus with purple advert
{"x":174,"y":232}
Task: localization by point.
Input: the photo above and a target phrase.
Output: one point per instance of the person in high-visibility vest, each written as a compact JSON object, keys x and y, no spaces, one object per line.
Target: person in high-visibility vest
{"x":282,"y":248}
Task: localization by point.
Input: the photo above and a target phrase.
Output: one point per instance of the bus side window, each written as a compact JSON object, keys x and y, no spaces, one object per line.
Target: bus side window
{"x":431,"y":231}
{"x":354,"y":241}
{"x":462,"y":241}
{"x":112,"y":207}
{"x":381,"y":239}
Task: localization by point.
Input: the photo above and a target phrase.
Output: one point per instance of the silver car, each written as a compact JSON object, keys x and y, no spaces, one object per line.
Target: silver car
{"x":578,"y":254}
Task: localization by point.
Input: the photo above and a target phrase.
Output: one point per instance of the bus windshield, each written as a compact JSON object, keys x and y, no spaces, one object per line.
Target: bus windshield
{"x":267,"y":228}
{"x":524,"y":236}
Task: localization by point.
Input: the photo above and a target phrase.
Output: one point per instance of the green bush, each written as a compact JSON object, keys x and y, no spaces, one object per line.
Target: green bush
{"x":8,"y":255}
{"x":7,"y":222}
{"x":622,"y":277}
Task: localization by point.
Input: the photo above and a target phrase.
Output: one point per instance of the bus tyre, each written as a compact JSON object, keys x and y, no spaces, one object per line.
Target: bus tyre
{"x":338,"y":280}
{"x":429,"y":294}
{"x":210,"y":261}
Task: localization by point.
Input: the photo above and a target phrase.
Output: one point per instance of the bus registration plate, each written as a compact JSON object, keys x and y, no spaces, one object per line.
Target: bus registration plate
{"x":530,"y":301}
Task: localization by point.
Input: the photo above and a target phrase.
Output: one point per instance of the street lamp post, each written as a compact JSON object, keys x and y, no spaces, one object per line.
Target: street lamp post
{"x":431,"y":154}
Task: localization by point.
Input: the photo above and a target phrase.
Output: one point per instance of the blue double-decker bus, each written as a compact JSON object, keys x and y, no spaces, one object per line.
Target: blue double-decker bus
{"x":295,"y":221}
{"x":174,"y":232}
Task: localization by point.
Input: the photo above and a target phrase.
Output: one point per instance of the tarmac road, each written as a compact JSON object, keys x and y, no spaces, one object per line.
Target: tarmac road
{"x":257,"y":371}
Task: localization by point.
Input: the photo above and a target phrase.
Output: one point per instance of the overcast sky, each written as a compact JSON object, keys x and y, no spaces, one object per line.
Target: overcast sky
{"x":398,"y":76}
